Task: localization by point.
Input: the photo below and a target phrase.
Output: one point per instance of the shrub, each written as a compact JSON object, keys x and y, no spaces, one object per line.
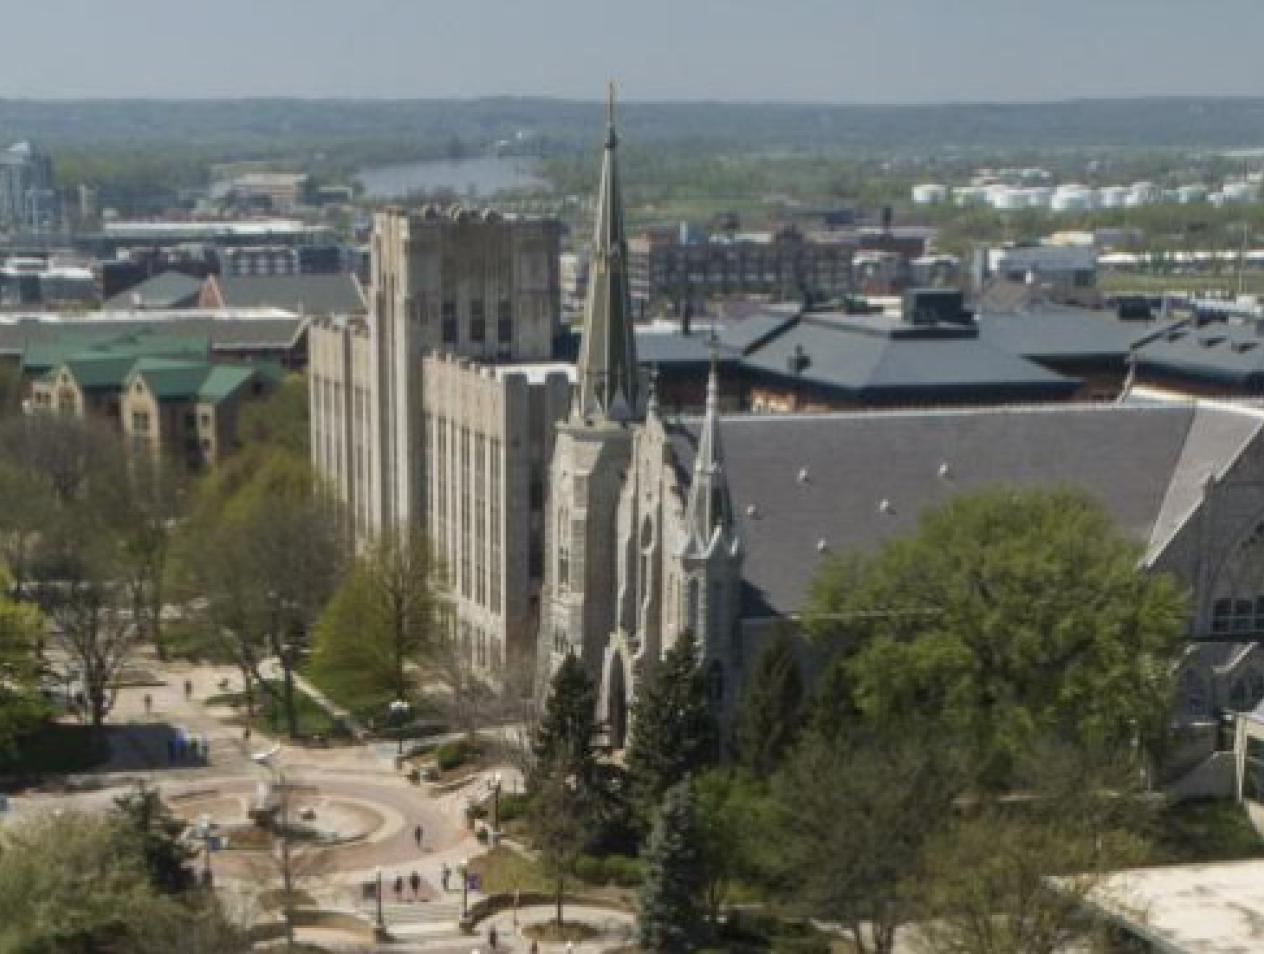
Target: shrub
{"x":512,"y":806}
{"x":624,"y":871}
{"x":452,"y":755}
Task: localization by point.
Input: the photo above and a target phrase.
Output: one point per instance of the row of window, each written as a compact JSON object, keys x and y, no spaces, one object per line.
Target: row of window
{"x":1237,"y":615}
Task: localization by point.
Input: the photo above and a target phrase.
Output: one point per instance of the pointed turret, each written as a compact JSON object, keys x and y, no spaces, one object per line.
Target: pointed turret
{"x":709,"y":514}
{"x":608,"y":385}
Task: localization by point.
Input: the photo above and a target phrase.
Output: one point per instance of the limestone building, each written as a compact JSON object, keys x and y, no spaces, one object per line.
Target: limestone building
{"x":437,"y":408}
{"x":716,"y":524}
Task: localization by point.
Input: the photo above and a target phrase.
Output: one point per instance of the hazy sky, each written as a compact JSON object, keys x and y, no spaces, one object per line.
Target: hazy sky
{"x":821,"y":50}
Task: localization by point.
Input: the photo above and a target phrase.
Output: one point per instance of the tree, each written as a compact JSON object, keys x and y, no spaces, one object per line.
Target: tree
{"x":569,"y":722}
{"x":147,"y":823}
{"x":78,"y":884}
{"x":669,"y":918}
{"x":280,"y":422}
{"x":559,"y":816}
{"x":380,"y":622}
{"x":22,"y":706}
{"x":855,"y":815}
{"x":26,"y":513}
{"x":772,"y":710}
{"x":1014,"y":874}
{"x":1008,"y":616}
{"x":673,"y":730}
{"x":734,"y":817}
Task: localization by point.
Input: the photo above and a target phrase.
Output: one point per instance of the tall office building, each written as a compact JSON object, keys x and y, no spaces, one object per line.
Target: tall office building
{"x":28,"y":200}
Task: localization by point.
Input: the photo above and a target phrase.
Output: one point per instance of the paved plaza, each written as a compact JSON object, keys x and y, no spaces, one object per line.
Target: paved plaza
{"x":366,"y":814}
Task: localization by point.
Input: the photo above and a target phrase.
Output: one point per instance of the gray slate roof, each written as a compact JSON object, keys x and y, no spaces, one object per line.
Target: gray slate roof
{"x":1145,"y":464}
{"x":308,"y":294}
{"x":873,"y":358}
{"x":1224,"y":352}
{"x":168,"y":290}
{"x":668,"y":348}
{"x":1065,"y":333}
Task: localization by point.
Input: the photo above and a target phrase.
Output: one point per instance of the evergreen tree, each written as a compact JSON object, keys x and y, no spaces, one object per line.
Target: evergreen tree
{"x":565,"y":734}
{"x":670,"y":915}
{"x":673,"y":730}
{"x":149,"y":825}
{"x":771,"y":716}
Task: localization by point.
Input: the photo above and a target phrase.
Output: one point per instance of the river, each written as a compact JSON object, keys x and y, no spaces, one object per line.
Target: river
{"x":480,"y":176}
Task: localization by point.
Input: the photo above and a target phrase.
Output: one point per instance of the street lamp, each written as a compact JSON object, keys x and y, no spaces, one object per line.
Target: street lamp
{"x":495,"y":783}
{"x":204,"y":831}
{"x":381,"y":921}
{"x":465,"y":888}
{"x":399,"y":715}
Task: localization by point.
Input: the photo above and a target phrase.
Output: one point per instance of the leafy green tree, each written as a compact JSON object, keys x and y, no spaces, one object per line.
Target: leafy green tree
{"x":382,"y":620}
{"x":735,"y":814}
{"x":76,"y":884}
{"x":147,"y":823}
{"x":280,"y":422}
{"x":669,"y":917}
{"x":26,"y":516}
{"x":855,"y":815}
{"x":569,"y":722}
{"x":1007,"y":617}
{"x":673,"y":729}
{"x":22,"y":706}
{"x":773,"y":706}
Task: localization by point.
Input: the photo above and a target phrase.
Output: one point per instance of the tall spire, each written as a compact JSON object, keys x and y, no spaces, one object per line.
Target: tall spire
{"x":709,"y":513}
{"x":608,"y":387}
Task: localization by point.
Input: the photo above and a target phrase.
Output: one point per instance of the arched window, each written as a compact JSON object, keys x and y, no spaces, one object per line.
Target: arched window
{"x":563,"y":548}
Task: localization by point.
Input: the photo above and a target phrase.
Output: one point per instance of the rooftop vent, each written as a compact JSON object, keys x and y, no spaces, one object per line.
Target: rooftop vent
{"x":821,"y":545}
{"x":884,"y":506}
{"x":944,"y":470}
{"x":752,"y":511}
{"x":803,"y":475}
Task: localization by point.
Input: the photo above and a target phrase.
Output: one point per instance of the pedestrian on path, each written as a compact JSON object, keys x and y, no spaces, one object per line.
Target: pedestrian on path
{"x":517,"y":898}
{"x":399,"y":887}
{"x":149,"y":704}
{"x":446,"y":875}
{"x":414,"y":879}
{"x":188,"y":688}
{"x":491,"y":938}
{"x":417,"y":834}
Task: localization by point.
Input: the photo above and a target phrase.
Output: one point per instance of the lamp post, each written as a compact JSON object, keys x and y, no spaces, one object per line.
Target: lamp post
{"x":204,"y":830}
{"x":495,"y":783}
{"x":465,"y":889}
{"x":381,"y":920}
{"x":399,"y":715}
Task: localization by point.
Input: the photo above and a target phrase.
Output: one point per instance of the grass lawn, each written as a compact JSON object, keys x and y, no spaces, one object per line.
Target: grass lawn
{"x":1198,"y":831}
{"x":312,"y":719}
{"x":56,"y":748}
{"x":503,"y":870}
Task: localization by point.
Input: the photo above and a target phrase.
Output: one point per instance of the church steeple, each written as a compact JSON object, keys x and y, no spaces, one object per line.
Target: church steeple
{"x":709,"y":513}
{"x":608,"y":386}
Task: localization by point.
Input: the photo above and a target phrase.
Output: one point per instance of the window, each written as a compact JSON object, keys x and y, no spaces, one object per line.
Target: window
{"x":478,"y":321}
{"x":140,"y":421}
{"x":504,"y":321}
{"x":449,"y":322}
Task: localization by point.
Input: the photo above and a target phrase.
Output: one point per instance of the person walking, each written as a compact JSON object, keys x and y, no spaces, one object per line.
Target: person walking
{"x":399,"y":887}
{"x":149,"y":704}
{"x":445,"y":874}
{"x":417,"y":835}
{"x":188,"y":688}
{"x":414,"y":879}
{"x":492,"y":937}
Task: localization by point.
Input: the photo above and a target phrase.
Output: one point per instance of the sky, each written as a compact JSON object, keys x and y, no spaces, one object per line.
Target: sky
{"x":846,"y":51}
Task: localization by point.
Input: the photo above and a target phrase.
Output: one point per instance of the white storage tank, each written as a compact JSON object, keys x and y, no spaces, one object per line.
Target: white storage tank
{"x":1072,"y":198}
{"x":929,"y":193}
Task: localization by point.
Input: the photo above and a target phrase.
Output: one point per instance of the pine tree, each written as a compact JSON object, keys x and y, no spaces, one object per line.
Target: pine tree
{"x":772,"y":713}
{"x":673,"y":730}
{"x":670,"y":916}
{"x":565,"y":734}
{"x":147,"y":823}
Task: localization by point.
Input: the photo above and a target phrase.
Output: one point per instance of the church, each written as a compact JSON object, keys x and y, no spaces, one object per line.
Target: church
{"x":715,"y":524}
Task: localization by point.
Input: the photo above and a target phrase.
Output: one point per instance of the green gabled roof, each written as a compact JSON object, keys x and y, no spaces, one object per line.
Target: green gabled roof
{"x":96,"y":372}
{"x":224,"y":380}
{"x":170,"y":379}
{"x":43,"y":355}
